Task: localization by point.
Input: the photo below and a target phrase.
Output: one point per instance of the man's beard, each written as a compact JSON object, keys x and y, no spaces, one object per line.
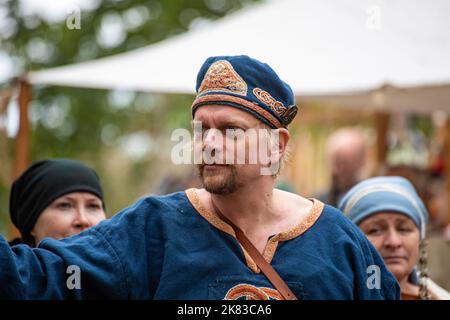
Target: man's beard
{"x":221,"y":182}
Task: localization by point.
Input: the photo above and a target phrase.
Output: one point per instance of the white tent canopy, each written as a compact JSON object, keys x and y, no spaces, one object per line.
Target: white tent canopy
{"x":320,"y":47}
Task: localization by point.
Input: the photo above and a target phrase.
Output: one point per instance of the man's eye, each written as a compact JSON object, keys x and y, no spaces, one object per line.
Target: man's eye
{"x":233,"y":128}
{"x":94,"y":206}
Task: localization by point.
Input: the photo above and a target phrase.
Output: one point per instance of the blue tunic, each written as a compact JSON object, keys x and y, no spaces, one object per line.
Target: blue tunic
{"x":171,"y":247}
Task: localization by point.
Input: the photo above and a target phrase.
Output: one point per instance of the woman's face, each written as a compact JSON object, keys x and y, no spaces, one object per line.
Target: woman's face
{"x":396,"y":238}
{"x":68,"y":215}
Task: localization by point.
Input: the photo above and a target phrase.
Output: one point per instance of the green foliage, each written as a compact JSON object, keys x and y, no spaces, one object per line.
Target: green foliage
{"x":91,"y":125}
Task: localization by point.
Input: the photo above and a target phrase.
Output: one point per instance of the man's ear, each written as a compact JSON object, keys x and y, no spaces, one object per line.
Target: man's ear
{"x":280,"y":139}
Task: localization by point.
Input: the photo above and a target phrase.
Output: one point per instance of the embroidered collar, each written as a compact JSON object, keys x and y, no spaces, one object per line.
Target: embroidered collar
{"x":273,"y":241}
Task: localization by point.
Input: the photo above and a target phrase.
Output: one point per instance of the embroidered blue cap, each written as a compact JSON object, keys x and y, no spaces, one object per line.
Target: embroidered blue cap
{"x":384,"y":194}
{"x":248,"y":84}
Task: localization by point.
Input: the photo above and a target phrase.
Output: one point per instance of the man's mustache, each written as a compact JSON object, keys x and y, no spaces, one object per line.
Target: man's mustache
{"x":203,"y":164}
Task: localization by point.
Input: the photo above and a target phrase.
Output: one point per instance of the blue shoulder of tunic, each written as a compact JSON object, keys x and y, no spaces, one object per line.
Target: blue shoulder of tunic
{"x":112,"y":257}
{"x":338,"y":229}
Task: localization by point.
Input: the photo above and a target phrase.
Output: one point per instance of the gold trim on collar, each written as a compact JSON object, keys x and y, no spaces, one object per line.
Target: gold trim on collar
{"x":272,"y":243}
{"x":211,"y":217}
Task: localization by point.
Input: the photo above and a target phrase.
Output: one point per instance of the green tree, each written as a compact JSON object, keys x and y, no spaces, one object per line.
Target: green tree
{"x":95,"y":125}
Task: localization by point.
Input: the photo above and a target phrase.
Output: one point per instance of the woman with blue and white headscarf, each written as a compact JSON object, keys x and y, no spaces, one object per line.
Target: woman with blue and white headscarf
{"x":393,"y":217}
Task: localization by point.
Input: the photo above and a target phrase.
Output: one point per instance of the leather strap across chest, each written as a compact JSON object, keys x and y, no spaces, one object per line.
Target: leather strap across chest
{"x":271,"y":274}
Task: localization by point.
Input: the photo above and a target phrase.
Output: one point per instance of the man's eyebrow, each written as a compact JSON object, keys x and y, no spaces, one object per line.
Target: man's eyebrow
{"x":227,"y":122}
{"x":230,"y":122}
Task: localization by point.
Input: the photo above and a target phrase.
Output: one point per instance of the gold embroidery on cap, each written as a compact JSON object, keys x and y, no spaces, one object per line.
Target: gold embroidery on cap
{"x":221,"y":77}
{"x":211,"y":98}
{"x":266,"y":98}
{"x":287,"y":114}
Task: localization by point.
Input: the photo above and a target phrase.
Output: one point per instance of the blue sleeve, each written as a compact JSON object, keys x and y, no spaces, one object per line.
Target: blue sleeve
{"x":109,"y":256}
{"x":44,"y":272}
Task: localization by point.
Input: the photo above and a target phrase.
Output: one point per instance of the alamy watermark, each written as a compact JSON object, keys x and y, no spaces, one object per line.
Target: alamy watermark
{"x":73,"y":20}
{"x":74,"y":279}
{"x":227,"y":147}
{"x":373,"y":21}
{"x":373,"y":277}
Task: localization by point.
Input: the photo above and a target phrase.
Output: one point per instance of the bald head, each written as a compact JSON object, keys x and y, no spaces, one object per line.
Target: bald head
{"x":346,"y":153}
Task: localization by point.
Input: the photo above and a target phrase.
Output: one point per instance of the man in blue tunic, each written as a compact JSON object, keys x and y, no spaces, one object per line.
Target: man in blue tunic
{"x":184,"y":245}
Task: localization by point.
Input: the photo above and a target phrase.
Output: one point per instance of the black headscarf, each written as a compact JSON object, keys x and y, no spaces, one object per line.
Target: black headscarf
{"x":44,"y":182}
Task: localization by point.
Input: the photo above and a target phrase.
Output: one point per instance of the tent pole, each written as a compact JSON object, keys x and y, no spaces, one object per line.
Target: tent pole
{"x":23,"y":137}
{"x":381,"y":127}
{"x":5,"y":169}
{"x":447,"y":164}
{"x":22,"y":141}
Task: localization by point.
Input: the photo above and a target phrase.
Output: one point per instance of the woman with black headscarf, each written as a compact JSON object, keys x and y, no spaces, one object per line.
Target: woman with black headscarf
{"x":55,"y":198}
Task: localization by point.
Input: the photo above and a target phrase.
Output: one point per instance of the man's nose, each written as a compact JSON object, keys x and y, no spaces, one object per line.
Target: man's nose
{"x":213,"y":138}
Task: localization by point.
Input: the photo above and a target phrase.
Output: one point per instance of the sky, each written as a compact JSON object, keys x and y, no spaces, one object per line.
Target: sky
{"x":53,"y":11}
{"x":50,"y":10}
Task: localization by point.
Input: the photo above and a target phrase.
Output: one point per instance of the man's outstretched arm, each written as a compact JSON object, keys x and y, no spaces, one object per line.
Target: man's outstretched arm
{"x":111,"y":259}
{"x":84,"y":266}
